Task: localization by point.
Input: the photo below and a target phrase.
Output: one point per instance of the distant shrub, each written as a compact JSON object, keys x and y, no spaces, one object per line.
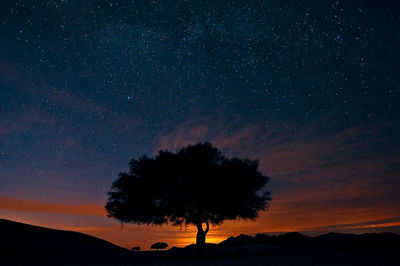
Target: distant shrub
{"x":135,"y":248}
{"x":159,"y":245}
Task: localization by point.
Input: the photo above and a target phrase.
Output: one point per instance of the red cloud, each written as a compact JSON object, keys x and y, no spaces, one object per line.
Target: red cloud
{"x":13,"y":204}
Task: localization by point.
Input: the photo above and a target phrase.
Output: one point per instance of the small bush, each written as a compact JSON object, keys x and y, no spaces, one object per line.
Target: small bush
{"x":159,"y":245}
{"x":135,"y":248}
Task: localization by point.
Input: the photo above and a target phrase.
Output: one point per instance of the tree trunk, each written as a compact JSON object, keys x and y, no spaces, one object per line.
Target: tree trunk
{"x":201,"y":234}
{"x":200,"y":238}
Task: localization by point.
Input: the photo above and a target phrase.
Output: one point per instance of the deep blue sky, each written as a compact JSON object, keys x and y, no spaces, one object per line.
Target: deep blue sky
{"x":311,"y":88}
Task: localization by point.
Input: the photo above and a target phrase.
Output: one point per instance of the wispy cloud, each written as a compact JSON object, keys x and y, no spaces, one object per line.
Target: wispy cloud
{"x":25,"y":205}
{"x":393,"y":221}
{"x":38,"y":89}
{"x":316,"y":178}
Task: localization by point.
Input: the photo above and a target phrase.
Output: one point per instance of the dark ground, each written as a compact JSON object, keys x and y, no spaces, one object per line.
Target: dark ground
{"x":30,"y":245}
{"x":272,"y":256}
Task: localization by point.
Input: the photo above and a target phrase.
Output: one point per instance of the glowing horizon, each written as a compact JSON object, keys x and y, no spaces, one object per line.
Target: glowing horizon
{"x":71,"y":217}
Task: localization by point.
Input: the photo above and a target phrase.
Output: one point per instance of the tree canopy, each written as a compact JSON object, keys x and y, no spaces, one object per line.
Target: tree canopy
{"x":193,"y":186}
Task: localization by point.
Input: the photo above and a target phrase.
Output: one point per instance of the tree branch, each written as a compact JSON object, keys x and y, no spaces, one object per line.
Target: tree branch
{"x":199,"y":227}
{"x":207,"y":227}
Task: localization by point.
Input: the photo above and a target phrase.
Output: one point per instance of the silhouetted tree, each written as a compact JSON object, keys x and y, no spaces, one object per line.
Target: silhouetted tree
{"x":135,"y":248}
{"x":159,"y":245}
{"x":194,"y":186}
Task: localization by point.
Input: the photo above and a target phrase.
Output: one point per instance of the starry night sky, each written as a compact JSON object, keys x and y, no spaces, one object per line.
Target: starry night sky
{"x":310,"y":88}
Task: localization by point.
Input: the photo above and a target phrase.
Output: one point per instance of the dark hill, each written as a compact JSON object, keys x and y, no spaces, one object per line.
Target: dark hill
{"x":288,"y":239}
{"x":23,"y":244}
{"x":15,"y":235}
{"x":364,"y":242}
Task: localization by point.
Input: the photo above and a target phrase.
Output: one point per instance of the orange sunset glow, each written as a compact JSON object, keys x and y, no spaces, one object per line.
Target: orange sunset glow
{"x":283,"y":216}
